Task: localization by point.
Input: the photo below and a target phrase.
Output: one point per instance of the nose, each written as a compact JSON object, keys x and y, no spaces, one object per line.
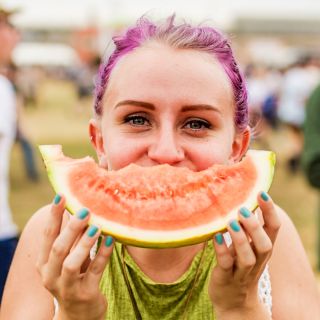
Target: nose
{"x":165,"y":148}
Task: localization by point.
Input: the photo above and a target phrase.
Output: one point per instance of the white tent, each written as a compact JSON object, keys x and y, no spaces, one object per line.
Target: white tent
{"x":81,"y":13}
{"x":45,"y":54}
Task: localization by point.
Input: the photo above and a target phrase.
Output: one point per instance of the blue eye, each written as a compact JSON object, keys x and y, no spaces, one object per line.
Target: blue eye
{"x":197,"y":124}
{"x":137,"y":120}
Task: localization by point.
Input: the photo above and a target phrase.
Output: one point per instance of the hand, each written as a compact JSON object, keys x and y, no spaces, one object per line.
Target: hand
{"x":233,"y":287}
{"x":65,"y":266}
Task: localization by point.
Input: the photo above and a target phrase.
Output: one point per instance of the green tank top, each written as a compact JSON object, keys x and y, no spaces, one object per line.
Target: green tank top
{"x":157,"y":301}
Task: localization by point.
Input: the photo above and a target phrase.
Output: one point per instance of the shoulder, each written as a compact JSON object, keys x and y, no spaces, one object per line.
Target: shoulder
{"x":7,"y":103}
{"x":294,"y":289}
{"x":38,"y":303}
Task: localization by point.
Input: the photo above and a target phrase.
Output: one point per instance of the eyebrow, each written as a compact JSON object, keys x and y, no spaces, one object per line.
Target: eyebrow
{"x":194,"y":107}
{"x":185,"y":108}
{"x":142,"y":104}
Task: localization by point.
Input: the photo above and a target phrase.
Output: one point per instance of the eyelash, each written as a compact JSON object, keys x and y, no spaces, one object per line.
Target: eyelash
{"x":203,"y":124}
{"x":131,"y":118}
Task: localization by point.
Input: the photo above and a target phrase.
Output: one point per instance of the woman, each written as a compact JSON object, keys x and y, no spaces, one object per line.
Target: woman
{"x":171,"y":94}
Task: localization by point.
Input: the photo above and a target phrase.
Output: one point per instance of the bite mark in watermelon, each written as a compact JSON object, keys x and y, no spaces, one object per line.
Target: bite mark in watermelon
{"x":159,"y":206}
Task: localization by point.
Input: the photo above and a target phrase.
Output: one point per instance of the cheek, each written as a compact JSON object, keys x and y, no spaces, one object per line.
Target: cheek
{"x":215,"y":151}
{"x":121,"y":152}
{"x":205,"y":157}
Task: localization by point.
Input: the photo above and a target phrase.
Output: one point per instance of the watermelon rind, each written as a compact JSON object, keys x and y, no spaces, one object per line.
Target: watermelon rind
{"x":57,"y":166}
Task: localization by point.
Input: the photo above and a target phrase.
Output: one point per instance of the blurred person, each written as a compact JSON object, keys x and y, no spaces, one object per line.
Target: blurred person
{"x":21,"y":138}
{"x":257,"y":91}
{"x":28,"y":79}
{"x":298,"y":82}
{"x":28,"y":153}
{"x":311,"y":150}
{"x":84,"y":80}
{"x":263,"y":86}
{"x":270,"y":104}
{"x":170,"y":93}
{"x":8,"y":117}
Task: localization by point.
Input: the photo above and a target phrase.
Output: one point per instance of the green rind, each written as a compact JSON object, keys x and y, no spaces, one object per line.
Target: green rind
{"x":134,"y":242}
{"x":51,"y":175}
{"x":204,"y":237}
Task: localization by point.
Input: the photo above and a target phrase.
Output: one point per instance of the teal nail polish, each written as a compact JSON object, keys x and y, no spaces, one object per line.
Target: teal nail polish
{"x":245,"y":212}
{"x":92,"y":231}
{"x":57,"y":199}
{"x":219,"y":238}
{"x":108,"y":241}
{"x":264,"y":196}
{"x":235,"y":225}
{"x":82,"y":213}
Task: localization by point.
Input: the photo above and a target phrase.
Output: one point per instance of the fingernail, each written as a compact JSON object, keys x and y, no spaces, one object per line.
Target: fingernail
{"x":245,"y":212}
{"x":82,"y":213}
{"x":235,"y":225}
{"x":57,"y":199}
{"x":92,"y":231}
{"x":264,"y":196}
{"x":219,"y":238}
{"x":108,"y":241}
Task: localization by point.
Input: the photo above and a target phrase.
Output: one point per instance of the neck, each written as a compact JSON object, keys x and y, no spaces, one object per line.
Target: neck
{"x":164,"y":265}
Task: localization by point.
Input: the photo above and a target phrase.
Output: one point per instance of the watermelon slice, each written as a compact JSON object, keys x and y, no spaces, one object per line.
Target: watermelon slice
{"x":159,"y":206}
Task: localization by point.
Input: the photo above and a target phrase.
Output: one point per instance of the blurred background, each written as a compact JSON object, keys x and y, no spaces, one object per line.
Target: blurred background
{"x":277,"y":43}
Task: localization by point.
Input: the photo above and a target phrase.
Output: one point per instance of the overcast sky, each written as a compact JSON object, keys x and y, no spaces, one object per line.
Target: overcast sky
{"x":222,"y":12}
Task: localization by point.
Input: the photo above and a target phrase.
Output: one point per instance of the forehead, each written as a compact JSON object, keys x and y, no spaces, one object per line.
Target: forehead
{"x":157,"y":71}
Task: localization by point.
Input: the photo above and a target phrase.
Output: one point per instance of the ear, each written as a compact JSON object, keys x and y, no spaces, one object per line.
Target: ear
{"x":96,"y":138}
{"x":240,"y":145}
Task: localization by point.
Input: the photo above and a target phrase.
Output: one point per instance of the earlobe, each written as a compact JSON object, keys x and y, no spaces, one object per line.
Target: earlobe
{"x":240,"y":145}
{"x":95,"y":135}
{"x":96,"y":139}
{"x":103,"y":163}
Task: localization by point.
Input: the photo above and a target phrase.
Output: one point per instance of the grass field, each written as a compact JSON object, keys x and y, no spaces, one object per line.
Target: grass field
{"x":59,"y":119}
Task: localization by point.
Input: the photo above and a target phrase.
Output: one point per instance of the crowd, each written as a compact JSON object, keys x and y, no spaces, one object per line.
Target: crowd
{"x":278,"y":98}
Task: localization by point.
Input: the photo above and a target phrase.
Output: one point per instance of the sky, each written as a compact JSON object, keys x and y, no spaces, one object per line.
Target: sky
{"x":104,"y":12}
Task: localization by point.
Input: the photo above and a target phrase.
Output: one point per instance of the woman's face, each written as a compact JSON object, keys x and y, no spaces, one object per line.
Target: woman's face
{"x":166,"y":105}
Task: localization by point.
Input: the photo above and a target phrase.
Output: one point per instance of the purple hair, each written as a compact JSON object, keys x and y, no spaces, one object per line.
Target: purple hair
{"x":183,"y":36}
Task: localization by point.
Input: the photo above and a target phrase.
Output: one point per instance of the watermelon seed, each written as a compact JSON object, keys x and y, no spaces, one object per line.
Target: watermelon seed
{"x":91,"y":184}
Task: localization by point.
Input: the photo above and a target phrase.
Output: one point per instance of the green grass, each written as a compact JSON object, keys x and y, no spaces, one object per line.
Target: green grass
{"x":59,"y":119}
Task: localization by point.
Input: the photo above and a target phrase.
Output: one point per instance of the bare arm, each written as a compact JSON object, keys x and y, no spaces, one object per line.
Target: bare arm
{"x":25,"y":297}
{"x":294,"y":290}
{"x":53,"y":256}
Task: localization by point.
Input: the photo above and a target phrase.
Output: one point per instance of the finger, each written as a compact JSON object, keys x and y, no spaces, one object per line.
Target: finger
{"x":271,"y":217}
{"x":98,"y":265}
{"x":260,"y":240}
{"x":64,"y":242}
{"x":245,"y":257}
{"x":52,"y":229}
{"x":73,"y":262}
{"x":225,"y":258}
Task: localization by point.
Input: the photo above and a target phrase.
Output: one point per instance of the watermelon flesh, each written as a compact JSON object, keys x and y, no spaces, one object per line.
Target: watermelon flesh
{"x":159,"y":206}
